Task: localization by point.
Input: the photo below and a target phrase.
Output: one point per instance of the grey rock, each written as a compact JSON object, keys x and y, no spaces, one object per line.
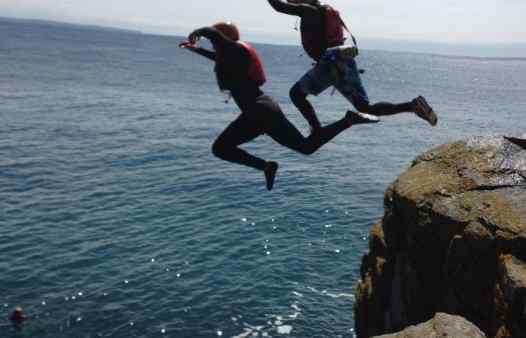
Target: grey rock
{"x":442,"y":325}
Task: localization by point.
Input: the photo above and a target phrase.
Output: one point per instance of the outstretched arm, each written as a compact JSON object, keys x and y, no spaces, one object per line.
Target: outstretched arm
{"x":301,"y":10}
{"x":212,"y":34}
{"x":216,"y":37}
{"x":198,"y":50}
{"x":206,"y":53}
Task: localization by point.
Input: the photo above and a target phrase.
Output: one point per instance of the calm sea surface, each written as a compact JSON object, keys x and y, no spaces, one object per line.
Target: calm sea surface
{"x":117,"y":221}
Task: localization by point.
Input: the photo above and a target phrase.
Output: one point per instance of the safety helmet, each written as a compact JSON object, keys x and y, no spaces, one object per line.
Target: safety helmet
{"x":228,"y":29}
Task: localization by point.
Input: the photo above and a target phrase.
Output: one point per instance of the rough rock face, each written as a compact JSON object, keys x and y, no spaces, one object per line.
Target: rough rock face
{"x":443,"y":325}
{"x":453,"y":240}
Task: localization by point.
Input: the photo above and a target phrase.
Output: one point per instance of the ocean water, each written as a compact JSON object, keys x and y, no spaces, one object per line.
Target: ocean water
{"x":117,"y":221}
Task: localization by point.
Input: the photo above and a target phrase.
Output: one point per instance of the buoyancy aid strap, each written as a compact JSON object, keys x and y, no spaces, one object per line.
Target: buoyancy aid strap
{"x":348,"y":31}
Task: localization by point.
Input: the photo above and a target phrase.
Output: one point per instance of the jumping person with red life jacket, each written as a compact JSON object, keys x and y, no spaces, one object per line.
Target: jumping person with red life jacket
{"x":240,"y":71}
{"x":322,"y":37}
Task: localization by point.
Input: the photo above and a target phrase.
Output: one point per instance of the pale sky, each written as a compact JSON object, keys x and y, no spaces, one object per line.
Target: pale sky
{"x":461,"y":21}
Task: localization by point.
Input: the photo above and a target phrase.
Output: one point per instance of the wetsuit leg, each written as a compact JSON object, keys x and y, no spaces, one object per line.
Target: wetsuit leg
{"x":241,"y":130}
{"x":351,"y":87}
{"x":386,"y":108}
{"x":279,"y":128}
{"x":313,"y":82}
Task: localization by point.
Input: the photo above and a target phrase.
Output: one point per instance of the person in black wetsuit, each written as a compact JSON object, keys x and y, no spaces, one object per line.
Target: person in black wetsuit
{"x":235,"y":66}
{"x":323,"y":39}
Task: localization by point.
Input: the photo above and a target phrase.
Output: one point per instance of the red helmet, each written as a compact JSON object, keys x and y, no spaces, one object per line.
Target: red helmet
{"x":228,"y":29}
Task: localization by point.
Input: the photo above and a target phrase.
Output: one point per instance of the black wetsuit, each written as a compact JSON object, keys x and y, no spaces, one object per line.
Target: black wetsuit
{"x":259,"y":113}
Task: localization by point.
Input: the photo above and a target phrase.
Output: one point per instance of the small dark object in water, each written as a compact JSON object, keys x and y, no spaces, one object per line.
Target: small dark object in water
{"x":18,"y":316}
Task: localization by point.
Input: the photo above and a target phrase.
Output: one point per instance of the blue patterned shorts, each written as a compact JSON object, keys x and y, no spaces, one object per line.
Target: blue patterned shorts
{"x":346,"y":79}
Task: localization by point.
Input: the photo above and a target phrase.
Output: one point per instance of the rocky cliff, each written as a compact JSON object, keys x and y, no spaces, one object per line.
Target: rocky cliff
{"x":452,"y":240}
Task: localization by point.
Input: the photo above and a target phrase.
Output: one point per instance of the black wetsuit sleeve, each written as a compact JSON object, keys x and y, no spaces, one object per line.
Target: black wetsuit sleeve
{"x":215,"y":36}
{"x":301,"y":10}
{"x":206,"y":53}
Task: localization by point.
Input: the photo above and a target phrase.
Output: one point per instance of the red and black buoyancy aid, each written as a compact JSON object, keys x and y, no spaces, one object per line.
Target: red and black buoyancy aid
{"x":255,"y":72}
{"x":314,"y":44}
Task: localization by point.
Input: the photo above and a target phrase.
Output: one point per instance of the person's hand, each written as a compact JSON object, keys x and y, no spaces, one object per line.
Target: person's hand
{"x":187,"y":45}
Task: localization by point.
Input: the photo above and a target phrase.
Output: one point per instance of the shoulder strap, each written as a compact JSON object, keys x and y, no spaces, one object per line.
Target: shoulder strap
{"x":347,"y":29}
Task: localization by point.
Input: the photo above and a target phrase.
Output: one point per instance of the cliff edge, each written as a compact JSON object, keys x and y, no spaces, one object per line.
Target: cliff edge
{"x":452,"y":240}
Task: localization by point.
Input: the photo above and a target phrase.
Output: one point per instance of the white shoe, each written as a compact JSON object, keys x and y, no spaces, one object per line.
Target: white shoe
{"x":358,"y":118}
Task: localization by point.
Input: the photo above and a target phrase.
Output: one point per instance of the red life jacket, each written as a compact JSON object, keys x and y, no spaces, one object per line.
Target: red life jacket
{"x":333,"y":27}
{"x":314,"y":44}
{"x":256,"y":72}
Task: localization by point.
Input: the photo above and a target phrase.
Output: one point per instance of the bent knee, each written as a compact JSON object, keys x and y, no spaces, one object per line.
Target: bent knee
{"x":219,"y":149}
{"x":308,"y":150}
{"x":296,"y":93}
{"x":363,"y":107}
